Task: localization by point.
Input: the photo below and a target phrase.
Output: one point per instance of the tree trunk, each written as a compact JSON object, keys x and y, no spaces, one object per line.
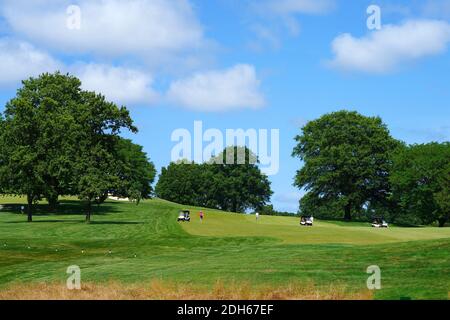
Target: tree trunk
{"x":442,"y":222}
{"x":102,"y":198}
{"x":52,"y":201}
{"x":348,"y":212}
{"x":30,"y":207}
{"x":88,"y":213}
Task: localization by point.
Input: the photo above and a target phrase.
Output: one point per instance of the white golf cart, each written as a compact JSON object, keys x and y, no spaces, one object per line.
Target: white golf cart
{"x":184,"y":216}
{"x":306,"y":221}
{"x":379,"y":222}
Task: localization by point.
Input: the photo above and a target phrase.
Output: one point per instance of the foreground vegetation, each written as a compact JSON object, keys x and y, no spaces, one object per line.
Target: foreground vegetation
{"x":130,"y":247}
{"x":164,"y":290}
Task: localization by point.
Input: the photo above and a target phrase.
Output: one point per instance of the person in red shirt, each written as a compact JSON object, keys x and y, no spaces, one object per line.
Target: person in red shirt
{"x":201,"y":216}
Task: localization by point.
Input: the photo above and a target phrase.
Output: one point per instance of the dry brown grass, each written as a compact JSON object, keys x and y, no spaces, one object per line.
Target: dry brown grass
{"x":158,"y":290}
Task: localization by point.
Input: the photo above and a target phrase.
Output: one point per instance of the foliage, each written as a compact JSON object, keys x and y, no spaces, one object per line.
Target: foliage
{"x":347,"y":160}
{"x":136,"y":172}
{"x":421,"y":183}
{"x":218,"y":183}
{"x":268,"y":210}
{"x":97,"y":164}
{"x":56,"y":139}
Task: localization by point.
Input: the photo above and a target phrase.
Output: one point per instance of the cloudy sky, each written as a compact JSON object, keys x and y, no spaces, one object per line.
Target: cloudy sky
{"x":261,"y":64}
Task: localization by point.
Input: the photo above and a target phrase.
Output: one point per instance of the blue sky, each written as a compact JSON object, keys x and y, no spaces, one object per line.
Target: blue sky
{"x":241,"y":64}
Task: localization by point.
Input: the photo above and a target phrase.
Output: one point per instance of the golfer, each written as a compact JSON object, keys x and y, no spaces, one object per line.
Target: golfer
{"x":201,"y":216}
{"x":257,"y":216}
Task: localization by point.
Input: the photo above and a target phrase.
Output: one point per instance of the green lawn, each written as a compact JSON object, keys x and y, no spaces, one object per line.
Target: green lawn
{"x":147,"y":243}
{"x":287,"y":229}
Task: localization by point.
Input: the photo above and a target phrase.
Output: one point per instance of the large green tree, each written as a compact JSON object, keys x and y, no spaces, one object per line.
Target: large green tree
{"x":346,"y":160}
{"x":240,"y":185}
{"x":182,"y":182}
{"x":56,"y":139}
{"x":443,"y":196}
{"x":37,"y":141}
{"x":97,"y":164}
{"x":3,"y":158}
{"x":421,"y":182}
{"x":226,"y":185}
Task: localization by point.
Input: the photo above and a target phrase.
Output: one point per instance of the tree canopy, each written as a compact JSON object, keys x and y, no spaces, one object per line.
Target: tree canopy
{"x":225,"y":185}
{"x":347,"y":160}
{"x":421,"y":183}
{"x":57,"y":139}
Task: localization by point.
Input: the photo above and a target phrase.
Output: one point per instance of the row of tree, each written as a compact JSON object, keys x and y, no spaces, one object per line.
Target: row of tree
{"x":352,"y":167}
{"x":57,"y":139}
{"x":218,"y":183}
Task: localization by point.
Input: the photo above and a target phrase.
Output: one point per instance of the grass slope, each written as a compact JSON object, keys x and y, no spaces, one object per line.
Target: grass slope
{"x":287,"y":229}
{"x":147,"y":245}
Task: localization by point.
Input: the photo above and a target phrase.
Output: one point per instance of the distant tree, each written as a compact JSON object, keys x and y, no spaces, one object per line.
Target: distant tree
{"x":136,"y":172}
{"x":182,"y":182}
{"x":319,"y":208}
{"x":421,"y":182}
{"x":268,"y":210}
{"x":347,"y":159}
{"x":239,"y":183}
{"x":216,"y":184}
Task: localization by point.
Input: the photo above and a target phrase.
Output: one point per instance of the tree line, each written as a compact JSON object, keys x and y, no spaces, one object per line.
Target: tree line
{"x":57,"y":139}
{"x":353,"y":168}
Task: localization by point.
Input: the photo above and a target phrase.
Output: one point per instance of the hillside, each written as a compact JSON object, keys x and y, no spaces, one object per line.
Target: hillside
{"x":132,"y":244}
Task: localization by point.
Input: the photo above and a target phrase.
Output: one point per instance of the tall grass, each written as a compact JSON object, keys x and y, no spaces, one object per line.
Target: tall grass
{"x":159,"y":290}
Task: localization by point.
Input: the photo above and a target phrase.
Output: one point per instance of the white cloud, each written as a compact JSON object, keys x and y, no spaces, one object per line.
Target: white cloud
{"x":382,"y":51}
{"x":237,"y":87}
{"x":112,"y":27}
{"x":118,"y":84}
{"x":266,"y":34}
{"x":20,"y":60}
{"x":276,"y":17}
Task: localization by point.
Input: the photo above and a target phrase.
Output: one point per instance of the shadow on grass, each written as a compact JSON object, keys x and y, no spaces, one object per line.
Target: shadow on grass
{"x":366,"y":222}
{"x":43,"y":221}
{"x":79,"y":222}
{"x":115,"y":222}
{"x":66,"y":207}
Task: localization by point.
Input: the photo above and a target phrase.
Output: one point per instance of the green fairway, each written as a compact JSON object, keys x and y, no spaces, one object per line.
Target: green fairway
{"x":288,"y":230}
{"x":147,"y":243}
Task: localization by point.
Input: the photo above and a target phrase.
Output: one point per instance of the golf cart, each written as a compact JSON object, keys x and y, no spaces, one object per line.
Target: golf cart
{"x":306,"y":221}
{"x":184,"y":216}
{"x":379,"y":222}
